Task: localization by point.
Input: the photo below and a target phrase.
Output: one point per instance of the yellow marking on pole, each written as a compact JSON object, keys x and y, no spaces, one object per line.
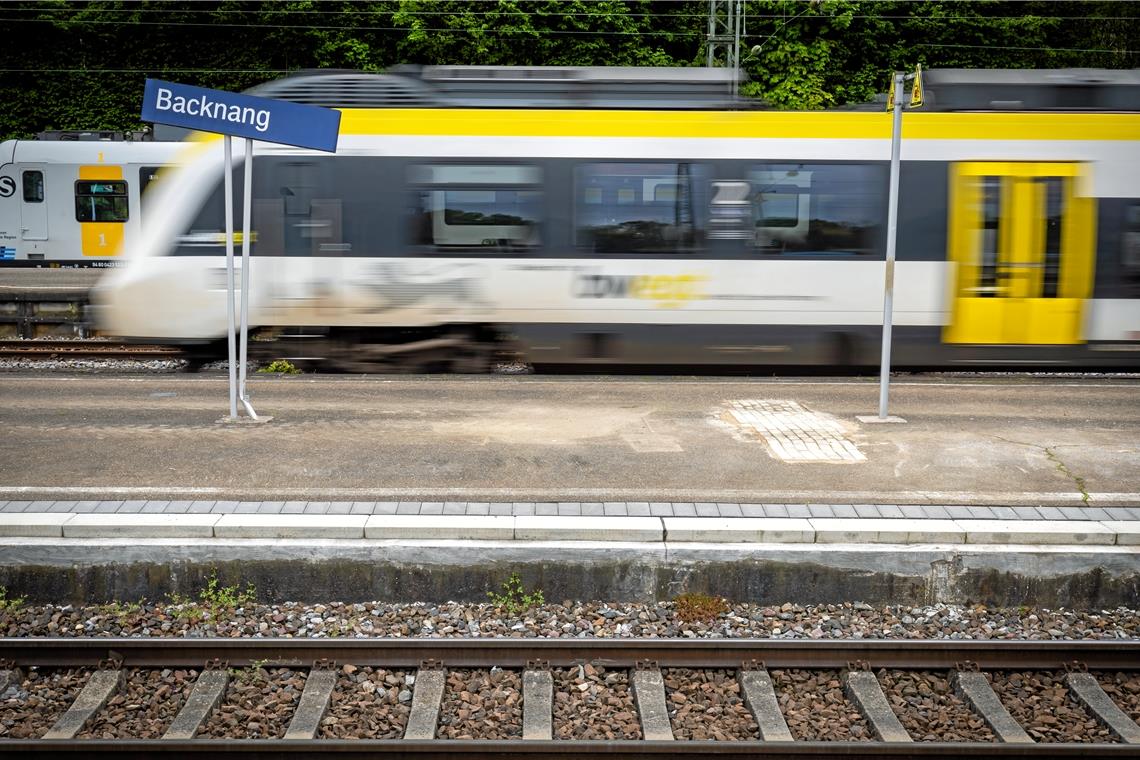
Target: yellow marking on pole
{"x":916,"y":89}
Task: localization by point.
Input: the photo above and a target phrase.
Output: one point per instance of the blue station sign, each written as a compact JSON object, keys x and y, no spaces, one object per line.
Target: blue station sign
{"x":231,"y":113}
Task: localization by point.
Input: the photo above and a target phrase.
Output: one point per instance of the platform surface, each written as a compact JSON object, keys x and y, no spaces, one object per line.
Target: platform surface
{"x":1049,"y":443}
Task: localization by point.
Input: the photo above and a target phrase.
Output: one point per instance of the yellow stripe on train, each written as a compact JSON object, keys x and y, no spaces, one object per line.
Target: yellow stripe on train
{"x":737,"y":124}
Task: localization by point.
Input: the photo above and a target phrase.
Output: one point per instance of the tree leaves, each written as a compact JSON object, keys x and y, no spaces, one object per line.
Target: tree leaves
{"x":82,"y":65}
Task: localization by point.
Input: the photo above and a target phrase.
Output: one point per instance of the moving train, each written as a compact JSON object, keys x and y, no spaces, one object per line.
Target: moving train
{"x":75,"y":198}
{"x":640,"y":217}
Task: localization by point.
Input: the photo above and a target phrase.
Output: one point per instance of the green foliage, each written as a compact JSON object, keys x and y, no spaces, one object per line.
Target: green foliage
{"x":514,"y":599}
{"x":226,"y":597}
{"x":213,"y":600}
{"x":281,"y":366}
{"x":10,"y":604}
{"x":252,"y":673}
{"x":82,"y":65}
{"x":694,"y":606}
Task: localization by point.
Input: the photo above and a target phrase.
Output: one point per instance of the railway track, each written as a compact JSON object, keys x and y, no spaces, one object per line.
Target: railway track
{"x":84,"y":348}
{"x":561,"y":688}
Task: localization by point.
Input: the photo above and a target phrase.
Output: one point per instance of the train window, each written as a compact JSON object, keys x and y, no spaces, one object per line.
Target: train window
{"x":1130,"y":255}
{"x":639,"y":208}
{"x":818,"y":208}
{"x":33,"y":187}
{"x":476,"y":208}
{"x":299,"y":208}
{"x":101,"y":201}
{"x":1054,"y":213}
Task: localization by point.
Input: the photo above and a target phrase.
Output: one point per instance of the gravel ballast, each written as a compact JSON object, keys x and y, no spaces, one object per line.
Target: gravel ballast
{"x":1041,"y":703}
{"x":570,"y":620}
{"x":707,"y":704}
{"x":144,"y":706}
{"x":27,"y":711}
{"x":258,"y":704}
{"x":1124,"y":688}
{"x":815,"y":707}
{"x":481,"y":704}
{"x":368,"y":703}
{"x":591,"y":702}
{"x":929,"y":709}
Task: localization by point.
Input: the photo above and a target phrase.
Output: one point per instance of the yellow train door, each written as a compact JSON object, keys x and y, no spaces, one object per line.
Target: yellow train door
{"x":1023,"y":243}
{"x":101,"y":208}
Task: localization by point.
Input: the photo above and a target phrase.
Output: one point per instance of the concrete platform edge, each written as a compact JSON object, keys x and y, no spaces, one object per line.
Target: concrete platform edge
{"x":669,"y":530}
{"x":96,"y":570}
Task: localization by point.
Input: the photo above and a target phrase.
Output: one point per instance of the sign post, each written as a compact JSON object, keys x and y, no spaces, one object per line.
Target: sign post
{"x":894,"y":104}
{"x":236,"y":115}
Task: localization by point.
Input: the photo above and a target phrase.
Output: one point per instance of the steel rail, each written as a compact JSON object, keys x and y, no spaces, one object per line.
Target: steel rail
{"x":447,"y":749}
{"x":463,"y":652}
{"x":38,"y":347}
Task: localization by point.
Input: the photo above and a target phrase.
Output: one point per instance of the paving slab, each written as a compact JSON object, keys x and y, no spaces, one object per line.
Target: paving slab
{"x":1037,"y":532}
{"x":1127,"y":531}
{"x":33,"y":524}
{"x":739,"y":530}
{"x":588,"y":528}
{"x":887,"y":531}
{"x":290,"y":526}
{"x":454,"y":527}
{"x":141,"y":525}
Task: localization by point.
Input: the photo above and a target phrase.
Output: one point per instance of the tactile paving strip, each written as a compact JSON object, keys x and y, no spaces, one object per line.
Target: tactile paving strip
{"x":793,"y":433}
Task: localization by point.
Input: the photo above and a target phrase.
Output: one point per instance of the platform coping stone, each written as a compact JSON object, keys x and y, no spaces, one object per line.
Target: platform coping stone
{"x":864,"y":690}
{"x":207,"y":692}
{"x":760,"y":696}
{"x":649,"y":693}
{"x":976,"y":690}
{"x":314,"y":702}
{"x":425,"y":703}
{"x":793,"y":433}
{"x":97,"y":690}
{"x":1089,"y":693}
{"x":538,"y":705}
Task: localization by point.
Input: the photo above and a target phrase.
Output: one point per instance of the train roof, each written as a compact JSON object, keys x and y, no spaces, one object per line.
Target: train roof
{"x":628,"y":87}
{"x":547,"y":87}
{"x":1032,"y":89}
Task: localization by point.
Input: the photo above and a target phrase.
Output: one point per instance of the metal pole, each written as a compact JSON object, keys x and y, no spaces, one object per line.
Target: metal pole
{"x":892,"y":230}
{"x":736,"y":23}
{"x":229,"y":183}
{"x":246,"y":275}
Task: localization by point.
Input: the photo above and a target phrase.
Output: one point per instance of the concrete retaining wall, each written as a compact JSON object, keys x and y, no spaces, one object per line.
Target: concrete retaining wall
{"x":95,"y":571}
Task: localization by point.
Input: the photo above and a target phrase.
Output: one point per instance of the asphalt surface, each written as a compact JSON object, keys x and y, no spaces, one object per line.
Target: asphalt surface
{"x":1007,"y":440}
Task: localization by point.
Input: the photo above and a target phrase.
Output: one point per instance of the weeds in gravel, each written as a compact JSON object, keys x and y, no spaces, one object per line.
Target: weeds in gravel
{"x":514,"y":598}
{"x":212,"y":600}
{"x":10,"y":604}
{"x":695,"y":606}
{"x":281,"y":366}
{"x":255,"y":671}
{"x":120,"y":610}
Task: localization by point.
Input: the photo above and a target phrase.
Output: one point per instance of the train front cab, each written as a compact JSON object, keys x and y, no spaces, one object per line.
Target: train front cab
{"x":1023,"y":242}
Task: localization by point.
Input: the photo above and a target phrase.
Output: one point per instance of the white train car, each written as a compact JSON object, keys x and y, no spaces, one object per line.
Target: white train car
{"x":650,"y":235}
{"x":74,"y":202}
